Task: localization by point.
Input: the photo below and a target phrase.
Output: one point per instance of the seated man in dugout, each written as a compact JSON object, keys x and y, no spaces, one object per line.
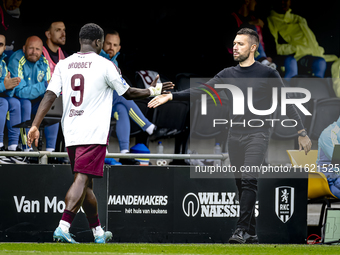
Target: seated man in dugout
{"x":297,"y":44}
{"x":56,"y":38}
{"x":122,"y":109}
{"x":33,"y":69}
{"x":327,"y":140}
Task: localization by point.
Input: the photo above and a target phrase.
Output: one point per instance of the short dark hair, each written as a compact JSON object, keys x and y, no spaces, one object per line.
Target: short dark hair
{"x":3,"y":34}
{"x":111,"y":32}
{"x":90,"y":32}
{"x":253,"y":36}
{"x":49,"y":25}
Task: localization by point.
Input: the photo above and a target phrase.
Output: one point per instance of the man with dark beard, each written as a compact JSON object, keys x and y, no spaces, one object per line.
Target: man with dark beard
{"x":247,"y":144}
{"x":56,"y":37}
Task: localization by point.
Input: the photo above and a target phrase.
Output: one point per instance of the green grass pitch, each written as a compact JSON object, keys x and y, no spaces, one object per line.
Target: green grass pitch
{"x":142,"y":248}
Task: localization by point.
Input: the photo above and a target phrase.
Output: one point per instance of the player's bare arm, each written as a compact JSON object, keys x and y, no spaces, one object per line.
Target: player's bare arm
{"x":44,"y":107}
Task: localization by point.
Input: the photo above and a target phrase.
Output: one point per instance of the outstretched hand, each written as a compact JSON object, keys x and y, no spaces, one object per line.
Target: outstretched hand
{"x":159,"y":100}
{"x":165,"y":85}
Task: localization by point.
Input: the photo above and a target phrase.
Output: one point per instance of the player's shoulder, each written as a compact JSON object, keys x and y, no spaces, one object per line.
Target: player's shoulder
{"x":103,"y":59}
{"x":68,"y":59}
{"x":77,"y":57}
{"x":109,"y":63}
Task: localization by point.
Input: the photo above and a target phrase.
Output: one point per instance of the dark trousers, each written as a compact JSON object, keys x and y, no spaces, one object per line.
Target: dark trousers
{"x":247,"y":150}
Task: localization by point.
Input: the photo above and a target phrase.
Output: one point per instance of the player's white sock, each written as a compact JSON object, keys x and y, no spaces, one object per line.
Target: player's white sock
{"x":50,"y":149}
{"x":150,"y":129}
{"x":64,"y":225}
{"x":12,"y":147}
{"x":124,"y":151}
{"x":98,"y":231}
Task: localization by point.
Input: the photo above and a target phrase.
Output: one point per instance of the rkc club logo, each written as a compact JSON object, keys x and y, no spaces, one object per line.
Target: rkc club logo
{"x":284,"y":202}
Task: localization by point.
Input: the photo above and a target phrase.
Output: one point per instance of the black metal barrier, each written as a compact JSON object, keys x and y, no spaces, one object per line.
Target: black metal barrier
{"x":149,"y":204}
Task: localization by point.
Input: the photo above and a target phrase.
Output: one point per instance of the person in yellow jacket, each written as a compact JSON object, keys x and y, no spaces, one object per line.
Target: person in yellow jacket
{"x":294,"y":39}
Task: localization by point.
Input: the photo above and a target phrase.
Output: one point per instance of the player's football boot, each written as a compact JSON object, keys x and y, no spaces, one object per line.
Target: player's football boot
{"x":103,"y":238}
{"x":62,"y":237}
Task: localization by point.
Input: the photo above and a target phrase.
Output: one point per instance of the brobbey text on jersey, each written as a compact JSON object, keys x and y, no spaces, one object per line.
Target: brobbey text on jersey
{"x":79,"y":65}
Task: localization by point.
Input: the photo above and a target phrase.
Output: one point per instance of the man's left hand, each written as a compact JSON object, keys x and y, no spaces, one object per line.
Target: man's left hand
{"x":305,"y":143}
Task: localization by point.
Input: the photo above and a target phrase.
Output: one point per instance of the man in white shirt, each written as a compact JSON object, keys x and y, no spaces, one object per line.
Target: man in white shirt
{"x":87,"y":81}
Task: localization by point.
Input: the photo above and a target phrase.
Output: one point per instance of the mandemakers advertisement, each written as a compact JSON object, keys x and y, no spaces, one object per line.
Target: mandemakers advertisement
{"x":213,"y":204}
{"x":136,"y":204}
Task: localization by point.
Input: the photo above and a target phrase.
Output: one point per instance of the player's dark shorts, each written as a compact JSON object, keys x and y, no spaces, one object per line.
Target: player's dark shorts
{"x":87,"y":159}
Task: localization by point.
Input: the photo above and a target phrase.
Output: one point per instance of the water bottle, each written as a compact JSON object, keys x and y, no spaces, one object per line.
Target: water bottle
{"x":217,"y":150}
{"x":160,"y":150}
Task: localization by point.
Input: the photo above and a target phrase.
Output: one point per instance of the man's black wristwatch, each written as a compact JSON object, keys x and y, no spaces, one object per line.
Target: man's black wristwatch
{"x":303,"y":133}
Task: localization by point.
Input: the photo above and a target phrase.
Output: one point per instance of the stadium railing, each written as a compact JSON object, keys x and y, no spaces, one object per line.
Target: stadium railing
{"x":44,"y":155}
